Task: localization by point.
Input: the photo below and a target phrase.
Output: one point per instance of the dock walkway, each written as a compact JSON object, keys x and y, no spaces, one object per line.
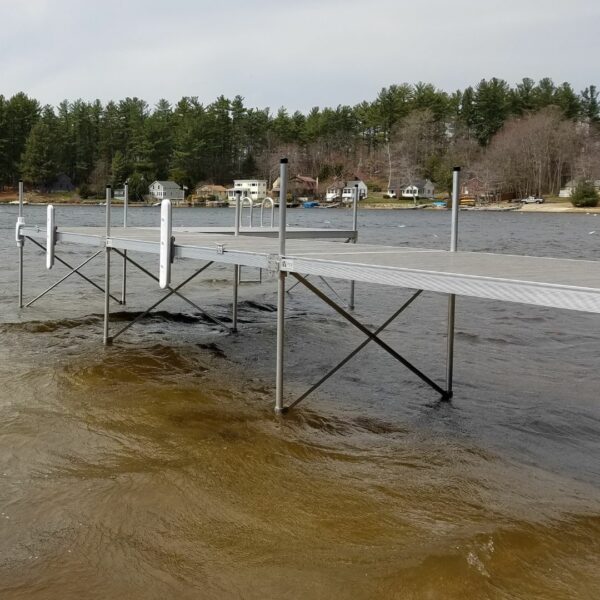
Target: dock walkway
{"x":552,"y":282}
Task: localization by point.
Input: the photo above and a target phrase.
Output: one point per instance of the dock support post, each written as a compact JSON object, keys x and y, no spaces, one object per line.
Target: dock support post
{"x":234,"y":312}
{"x":20,"y":243}
{"x":283,"y":180}
{"x":236,"y":268}
{"x":354,"y":228}
{"x":452,"y":297}
{"x":106,"y":338}
{"x":125,"y":206}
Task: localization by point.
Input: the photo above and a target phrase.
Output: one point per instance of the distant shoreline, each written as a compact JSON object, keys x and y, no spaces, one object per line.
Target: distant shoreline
{"x":546,"y":208}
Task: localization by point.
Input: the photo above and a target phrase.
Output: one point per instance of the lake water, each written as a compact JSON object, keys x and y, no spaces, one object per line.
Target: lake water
{"x":156,"y":468}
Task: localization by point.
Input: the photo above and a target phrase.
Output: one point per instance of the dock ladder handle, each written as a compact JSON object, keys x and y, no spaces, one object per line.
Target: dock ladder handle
{"x":262,"y":210}
{"x":250,"y":205}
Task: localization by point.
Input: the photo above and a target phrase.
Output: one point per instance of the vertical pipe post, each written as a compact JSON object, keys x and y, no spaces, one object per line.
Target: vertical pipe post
{"x":20,"y":243}
{"x":236,"y":268}
{"x":452,"y":297}
{"x":238,"y":198}
{"x":125,"y":207}
{"x":283,"y":181}
{"x":20,"y":198}
{"x":455,"y":203}
{"x":354,"y":228}
{"x":106,"y":338}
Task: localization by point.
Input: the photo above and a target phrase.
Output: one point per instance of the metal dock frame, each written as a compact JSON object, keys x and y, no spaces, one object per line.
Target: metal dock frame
{"x":372,"y":336}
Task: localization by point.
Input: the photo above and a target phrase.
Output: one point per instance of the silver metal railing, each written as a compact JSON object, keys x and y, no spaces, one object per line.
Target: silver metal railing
{"x":247,"y":202}
{"x":271,"y":202}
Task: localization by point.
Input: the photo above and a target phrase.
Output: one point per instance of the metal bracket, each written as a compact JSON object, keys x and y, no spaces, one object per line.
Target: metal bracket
{"x":220,"y":248}
{"x":273,"y":263}
{"x":286,"y":264}
{"x":19,"y":237}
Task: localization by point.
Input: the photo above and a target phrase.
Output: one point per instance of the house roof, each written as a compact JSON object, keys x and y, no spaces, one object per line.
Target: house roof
{"x":167,"y":184}
{"x":304,"y":179}
{"x":420,"y":183}
{"x":211,"y":188}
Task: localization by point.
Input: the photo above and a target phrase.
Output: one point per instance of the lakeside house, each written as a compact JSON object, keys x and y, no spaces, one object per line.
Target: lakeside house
{"x":569,"y":188}
{"x":478,"y":190}
{"x":421,"y":188}
{"x":166,"y":190}
{"x":299,"y":186}
{"x":255,"y":189}
{"x":62,"y":183}
{"x":350,"y":187}
{"x":334,"y":191}
{"x":210,"y":192}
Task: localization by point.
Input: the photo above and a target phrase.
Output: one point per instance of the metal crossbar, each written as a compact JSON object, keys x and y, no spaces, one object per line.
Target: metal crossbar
{"x":171,"y":292}
{"x":71,"y":272}
{"x":325,"y":282}
{"x":372,"y":336}
{"x":73,"y":269}
{"x":356,"y":350}
{"x":178,"y":294}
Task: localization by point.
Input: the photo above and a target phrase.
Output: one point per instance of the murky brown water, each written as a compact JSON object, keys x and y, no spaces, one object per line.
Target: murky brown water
{"x":156,"y":468}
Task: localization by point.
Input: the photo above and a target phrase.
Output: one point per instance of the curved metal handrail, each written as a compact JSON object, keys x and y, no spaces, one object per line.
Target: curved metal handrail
{"x":250,"y":205}
{"x":262,"y":210}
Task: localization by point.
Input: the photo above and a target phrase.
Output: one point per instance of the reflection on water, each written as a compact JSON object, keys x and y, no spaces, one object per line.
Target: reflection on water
{"x":156,"y":468}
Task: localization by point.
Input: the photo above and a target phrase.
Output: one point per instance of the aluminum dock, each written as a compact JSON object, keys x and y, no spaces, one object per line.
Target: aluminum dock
{"x":302,"y":253}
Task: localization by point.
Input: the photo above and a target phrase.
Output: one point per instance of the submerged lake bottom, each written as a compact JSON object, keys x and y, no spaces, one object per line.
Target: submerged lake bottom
{"x":156,"y":468}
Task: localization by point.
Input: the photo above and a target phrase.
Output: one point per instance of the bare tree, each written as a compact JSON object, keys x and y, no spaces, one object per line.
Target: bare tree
{"x":533,"y":154}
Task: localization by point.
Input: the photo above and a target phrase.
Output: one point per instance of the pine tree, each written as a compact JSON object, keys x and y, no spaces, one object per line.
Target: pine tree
{"x":589,"y":104}
{"x":40,"y":158}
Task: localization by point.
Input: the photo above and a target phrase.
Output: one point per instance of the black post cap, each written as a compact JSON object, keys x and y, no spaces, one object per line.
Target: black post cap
{"x":456,"y":169}
{"x":283,"y":161}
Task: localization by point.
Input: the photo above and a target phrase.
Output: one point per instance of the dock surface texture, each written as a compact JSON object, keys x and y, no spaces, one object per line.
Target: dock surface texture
{"x":552,"y":282}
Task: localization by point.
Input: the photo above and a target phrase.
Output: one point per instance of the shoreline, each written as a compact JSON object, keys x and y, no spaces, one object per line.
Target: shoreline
{"x":546,"y":208}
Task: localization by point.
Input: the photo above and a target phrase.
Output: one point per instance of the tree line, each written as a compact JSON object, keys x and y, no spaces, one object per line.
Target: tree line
{"x":528,"y":138}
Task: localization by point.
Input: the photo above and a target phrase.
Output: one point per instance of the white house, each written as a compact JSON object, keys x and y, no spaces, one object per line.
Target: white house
{"x":166,"y":190}
{"x":255,"y":189}
{"x":422,"y":188}
{"x":567,"y":191}
{"x":350,"y":187}
{"x":334,"y":192}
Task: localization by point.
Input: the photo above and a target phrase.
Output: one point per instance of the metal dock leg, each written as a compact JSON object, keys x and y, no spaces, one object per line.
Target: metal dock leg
{"x":20,"y":243}
{"x":21,"y":273}
{"x":355,"y":229}
{"x":452,"y":297}
{"x":450,"y":352}
{"x":234,"y":312}
{"x":283,"y":184}
{"x":280,"y":343}
{"x":124,"y":282}
{"x":106,"y":338}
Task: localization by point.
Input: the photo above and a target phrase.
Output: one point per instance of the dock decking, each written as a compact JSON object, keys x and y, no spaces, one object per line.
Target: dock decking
{"x":552,"y":282}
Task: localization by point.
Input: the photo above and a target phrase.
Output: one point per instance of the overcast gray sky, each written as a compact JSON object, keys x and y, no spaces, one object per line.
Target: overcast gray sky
{"x":295,"y":54}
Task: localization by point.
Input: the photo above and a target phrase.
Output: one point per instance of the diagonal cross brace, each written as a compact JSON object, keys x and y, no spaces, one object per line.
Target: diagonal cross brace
{"x":356,"y":350}
{"x":325,"y":282}
{"x":171,"y":292}
{"x":57,"y":283}
{"x":152,"y":276}
{"x":73,"y":269}
{"x":371,"y":335}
